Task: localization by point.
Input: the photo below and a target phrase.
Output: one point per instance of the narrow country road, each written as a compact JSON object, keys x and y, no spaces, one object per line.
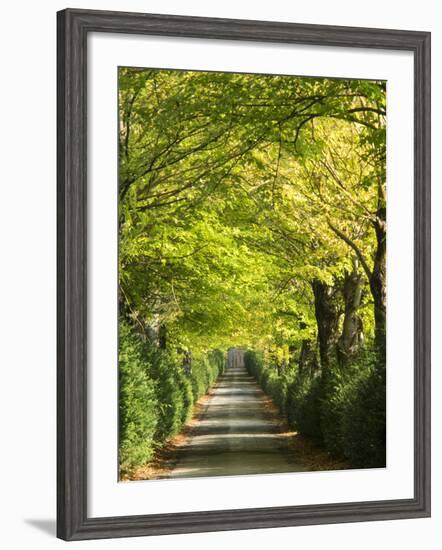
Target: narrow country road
{"x":236,"y":433}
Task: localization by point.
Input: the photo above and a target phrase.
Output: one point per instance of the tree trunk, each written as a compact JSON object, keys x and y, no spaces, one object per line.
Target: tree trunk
{"x":304,"y":355}
{"x":378,"y":281}
{"x":377,"y":276}
{"x":162,"y":337}
{"x":352,"y":337}
{"x":307,"y":356}
{"x":378,"y":284}
{"x":187,"y":362}
{"x":327,"y":319}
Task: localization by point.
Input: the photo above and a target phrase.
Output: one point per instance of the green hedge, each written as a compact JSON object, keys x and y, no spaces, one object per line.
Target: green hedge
{"x":205,"y":372}
{"x":304,"y":409}
{"x":139,"y":419}
{"x":364,"y":423}
{"x":156,"y":395}
{"x":341,"y":409}
{"x":276,"y":386}
{"x":174,"y":401}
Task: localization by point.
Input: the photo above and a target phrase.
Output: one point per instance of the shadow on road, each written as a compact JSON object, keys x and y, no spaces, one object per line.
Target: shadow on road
{"x":236,"y":433}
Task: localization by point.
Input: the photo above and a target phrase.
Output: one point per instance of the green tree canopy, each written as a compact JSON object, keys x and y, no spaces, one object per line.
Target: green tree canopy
{"x":238,"y":194}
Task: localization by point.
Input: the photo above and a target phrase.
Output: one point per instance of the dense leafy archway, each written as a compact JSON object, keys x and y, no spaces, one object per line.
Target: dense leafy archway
{"x":252,"y":213}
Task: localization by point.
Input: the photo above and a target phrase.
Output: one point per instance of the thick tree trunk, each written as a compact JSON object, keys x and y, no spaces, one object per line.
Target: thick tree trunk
{"x":352,"y":337}
{"x":377,"y":276}
{"x":307,"y":355}
{"x":378,"y":286}
{"x":327,"y":319}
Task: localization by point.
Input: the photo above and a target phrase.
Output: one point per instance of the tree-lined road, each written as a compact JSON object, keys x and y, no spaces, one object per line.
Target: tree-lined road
{"x":236,"y":433}
{"x":251,"y":213}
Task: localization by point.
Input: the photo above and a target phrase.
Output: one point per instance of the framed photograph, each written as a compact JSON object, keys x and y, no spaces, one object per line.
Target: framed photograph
{"x":243,"y":274}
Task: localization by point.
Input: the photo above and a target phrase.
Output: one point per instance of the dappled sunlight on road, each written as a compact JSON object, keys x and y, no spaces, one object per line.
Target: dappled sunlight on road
{"x":236,"y":433}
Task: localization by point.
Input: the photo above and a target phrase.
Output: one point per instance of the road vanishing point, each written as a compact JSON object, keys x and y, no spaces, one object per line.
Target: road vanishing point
{"x":236,"y":433}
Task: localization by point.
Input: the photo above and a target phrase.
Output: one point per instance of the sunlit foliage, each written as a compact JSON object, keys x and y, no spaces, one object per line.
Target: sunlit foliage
{"x":252,"y":213}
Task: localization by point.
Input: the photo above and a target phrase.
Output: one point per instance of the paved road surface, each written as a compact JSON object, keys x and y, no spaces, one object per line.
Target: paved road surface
{"x":235,"y":434}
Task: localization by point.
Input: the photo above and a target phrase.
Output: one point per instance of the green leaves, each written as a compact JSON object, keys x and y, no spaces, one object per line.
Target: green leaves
{"x":236,"y":192}
{"x":229,"y":187}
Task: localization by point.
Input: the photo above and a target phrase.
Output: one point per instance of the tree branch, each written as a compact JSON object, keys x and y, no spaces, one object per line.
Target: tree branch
{"x":352,"y":245}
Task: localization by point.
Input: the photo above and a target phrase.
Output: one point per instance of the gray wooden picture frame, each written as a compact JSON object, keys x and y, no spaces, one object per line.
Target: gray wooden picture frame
{"x":74,"y":25}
